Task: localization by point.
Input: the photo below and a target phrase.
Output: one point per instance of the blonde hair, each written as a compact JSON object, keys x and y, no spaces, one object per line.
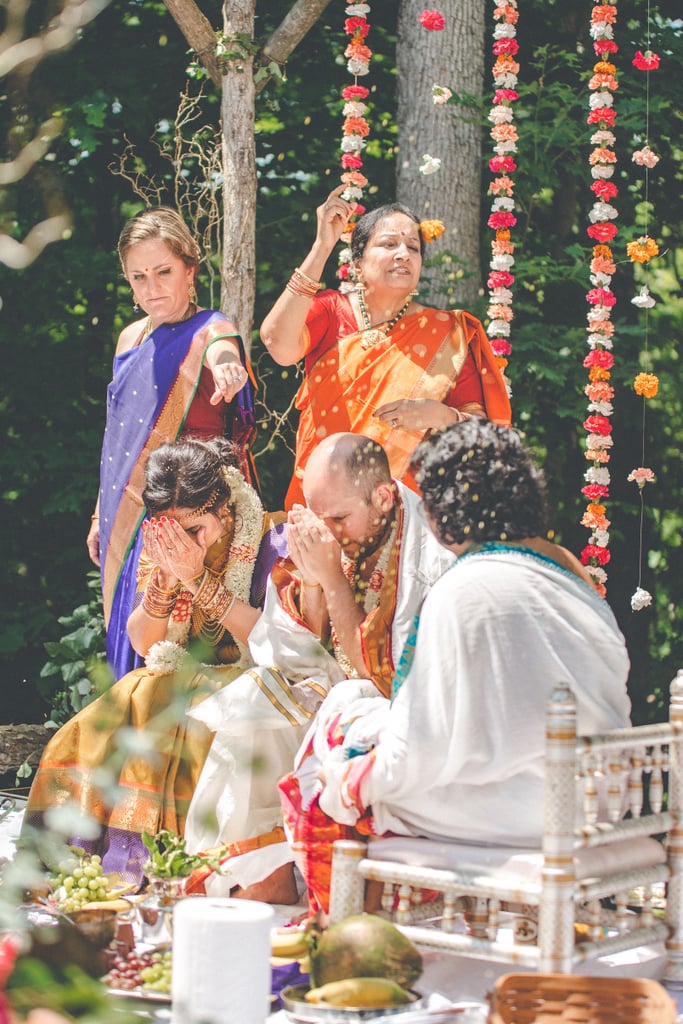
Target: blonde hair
{"x":164,"y":223}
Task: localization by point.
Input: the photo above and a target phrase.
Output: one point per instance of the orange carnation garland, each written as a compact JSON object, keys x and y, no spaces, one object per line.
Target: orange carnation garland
{"x":601,"y":299}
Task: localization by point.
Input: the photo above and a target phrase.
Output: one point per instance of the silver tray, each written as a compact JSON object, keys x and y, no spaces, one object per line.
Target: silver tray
{"x":142,"y":995}
{"x":297,"y":1009}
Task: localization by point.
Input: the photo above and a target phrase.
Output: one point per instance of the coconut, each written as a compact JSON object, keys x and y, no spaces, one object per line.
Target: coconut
{"x":364,"y":946}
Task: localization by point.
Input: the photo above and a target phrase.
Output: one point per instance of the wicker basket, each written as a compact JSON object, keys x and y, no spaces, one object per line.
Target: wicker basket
{"x":575,"y":999}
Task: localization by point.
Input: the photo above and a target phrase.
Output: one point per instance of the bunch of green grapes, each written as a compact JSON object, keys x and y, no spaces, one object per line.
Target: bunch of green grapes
{"x":158,"y":975}
{"x":78,"y":881}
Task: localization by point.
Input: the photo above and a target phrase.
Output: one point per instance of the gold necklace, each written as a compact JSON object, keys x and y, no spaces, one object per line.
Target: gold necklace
{"x":371,"y":335}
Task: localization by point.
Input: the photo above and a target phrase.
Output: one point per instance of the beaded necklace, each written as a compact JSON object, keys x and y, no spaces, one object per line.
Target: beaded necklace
{"x":369,"y":589}
{"x":371,"y":335}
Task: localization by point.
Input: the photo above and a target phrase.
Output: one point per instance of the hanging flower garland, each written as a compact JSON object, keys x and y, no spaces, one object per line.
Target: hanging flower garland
{"x":502,"y":165}
{"x":602,"y":230}
{"x":355,"y":128}
{"x":641,"y":251}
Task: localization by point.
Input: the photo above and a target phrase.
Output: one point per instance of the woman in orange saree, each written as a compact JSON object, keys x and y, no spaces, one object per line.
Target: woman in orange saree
{"x":376,"y":361}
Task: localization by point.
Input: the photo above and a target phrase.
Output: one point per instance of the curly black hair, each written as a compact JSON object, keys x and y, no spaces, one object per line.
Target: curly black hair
{"x":479,"y":483}
{"x":187,"y":474}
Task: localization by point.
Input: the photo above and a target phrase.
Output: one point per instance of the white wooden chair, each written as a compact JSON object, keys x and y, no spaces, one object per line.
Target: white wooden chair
{"x":582,"y":875}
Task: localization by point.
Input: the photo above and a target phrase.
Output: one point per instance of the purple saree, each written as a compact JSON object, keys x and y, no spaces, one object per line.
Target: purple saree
{"x":153,"y":387}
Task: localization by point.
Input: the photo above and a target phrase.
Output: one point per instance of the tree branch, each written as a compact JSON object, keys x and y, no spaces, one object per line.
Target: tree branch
{"x":289,"y":33}
{"x":199,"y":33}
{"x":61,"y":32}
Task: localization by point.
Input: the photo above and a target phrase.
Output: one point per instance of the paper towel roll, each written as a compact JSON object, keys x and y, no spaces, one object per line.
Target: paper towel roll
{"x":221,"y":961}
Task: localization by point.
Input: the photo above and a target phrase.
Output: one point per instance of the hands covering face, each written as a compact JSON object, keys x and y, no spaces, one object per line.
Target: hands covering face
{"x":311,"y":546}
{"x":177,"y":553}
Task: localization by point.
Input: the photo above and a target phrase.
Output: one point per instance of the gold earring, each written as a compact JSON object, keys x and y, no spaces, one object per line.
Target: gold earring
{"x":192,"y":294}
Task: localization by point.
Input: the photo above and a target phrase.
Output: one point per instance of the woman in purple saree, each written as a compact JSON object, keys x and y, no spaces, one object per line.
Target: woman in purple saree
{"x":179,"y":371}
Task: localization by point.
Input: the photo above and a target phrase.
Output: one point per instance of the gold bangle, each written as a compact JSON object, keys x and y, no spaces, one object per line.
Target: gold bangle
{"x":298,"y":272}
{"x":311,"y":586}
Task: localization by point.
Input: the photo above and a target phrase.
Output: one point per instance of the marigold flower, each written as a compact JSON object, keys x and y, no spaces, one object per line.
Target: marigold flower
{"x":602,"y":250}
{"x":603,"y":67}
{"x":602,"y":232}
{"x":431,"y":230}
{"x":645,"y":157}
{"x":598,"y":373}
{"x":432,"y":20}
{"x":648,"y":61}
{"x":356,"y":126}
{"x":643,"y":249}
{"x":641,"y":476}
{"x":646,"y":384}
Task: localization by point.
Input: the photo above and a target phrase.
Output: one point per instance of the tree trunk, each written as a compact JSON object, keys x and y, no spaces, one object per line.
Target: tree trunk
{"x":453,"y":57}
{"x":238,"y":272}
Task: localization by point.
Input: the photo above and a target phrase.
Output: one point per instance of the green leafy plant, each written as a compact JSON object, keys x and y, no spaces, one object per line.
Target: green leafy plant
{"x":168,"y":857}
{"x":78,"y":659}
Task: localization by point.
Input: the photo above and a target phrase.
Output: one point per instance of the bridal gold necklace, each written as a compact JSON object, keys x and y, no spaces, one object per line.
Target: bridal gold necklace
{"x":371,"y":335}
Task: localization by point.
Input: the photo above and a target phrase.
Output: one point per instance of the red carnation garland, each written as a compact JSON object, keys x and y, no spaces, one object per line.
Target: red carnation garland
{"x":601,"y":299}
{"x":502,"y":165}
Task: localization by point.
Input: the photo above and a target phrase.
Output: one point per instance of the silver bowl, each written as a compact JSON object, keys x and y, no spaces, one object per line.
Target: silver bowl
{"x":298,"y":1010}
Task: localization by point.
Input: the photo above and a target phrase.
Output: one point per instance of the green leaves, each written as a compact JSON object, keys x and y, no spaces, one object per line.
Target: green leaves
{"x":168,"y":857}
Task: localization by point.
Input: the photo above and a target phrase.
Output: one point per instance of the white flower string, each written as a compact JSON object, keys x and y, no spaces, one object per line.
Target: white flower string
{"x":641,"y":251}
{"x":502,"y":165}
{"x":370,"y":597}
{"x":602,"y":229}
{"x":355,"y":128}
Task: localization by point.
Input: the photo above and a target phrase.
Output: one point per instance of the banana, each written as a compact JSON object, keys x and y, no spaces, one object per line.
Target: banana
{"x":288,"y":943}
{"x":367,"y":992}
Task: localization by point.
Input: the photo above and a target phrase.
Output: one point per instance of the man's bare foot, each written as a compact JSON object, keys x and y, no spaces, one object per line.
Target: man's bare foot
{"x":280,"y":887}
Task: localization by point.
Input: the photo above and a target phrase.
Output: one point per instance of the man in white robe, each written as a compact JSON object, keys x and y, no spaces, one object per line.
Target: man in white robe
{"x":458,"y":753}
{"x":362,"y":561}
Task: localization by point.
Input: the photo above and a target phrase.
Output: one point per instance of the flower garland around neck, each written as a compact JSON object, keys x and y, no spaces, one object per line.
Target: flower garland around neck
{"x":169,"y":655}
{"x":502,"y":166}
{"x":600,"y":297}
{"x":355,"y":128}
{"x":370,"y":590}
{"x":641,"y":251}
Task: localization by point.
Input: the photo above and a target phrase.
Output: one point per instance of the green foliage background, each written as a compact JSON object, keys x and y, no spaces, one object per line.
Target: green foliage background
{"x":60,"y":317}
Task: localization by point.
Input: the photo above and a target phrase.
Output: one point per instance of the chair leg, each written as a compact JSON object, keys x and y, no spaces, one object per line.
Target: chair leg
{"x":347,"y":887}
{"x":673,"y":971}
